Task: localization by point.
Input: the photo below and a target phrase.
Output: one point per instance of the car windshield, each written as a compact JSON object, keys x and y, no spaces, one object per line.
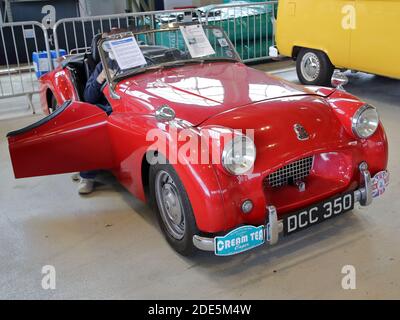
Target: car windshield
{"x":129,"y":53}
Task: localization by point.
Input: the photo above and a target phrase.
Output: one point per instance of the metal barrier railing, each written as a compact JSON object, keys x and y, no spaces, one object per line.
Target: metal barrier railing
{"x":77,"y":33}
{"x":18,"y":41}
{"x":250,"y":26}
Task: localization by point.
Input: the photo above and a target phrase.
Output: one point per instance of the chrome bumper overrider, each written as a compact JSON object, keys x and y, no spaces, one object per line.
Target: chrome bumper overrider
{"x":363,"y":196}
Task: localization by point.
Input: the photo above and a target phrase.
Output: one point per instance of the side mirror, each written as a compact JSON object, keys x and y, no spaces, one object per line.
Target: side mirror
{"x":339,"y":80}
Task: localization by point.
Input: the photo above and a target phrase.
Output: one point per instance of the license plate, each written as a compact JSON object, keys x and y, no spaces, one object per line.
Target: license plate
{"x":318,"y":213}
{"x":239,"y":240}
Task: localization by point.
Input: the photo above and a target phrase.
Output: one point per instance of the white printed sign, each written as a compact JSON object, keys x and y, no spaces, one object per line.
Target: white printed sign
{"x":196,"y":41}
{"x":127,"y":53}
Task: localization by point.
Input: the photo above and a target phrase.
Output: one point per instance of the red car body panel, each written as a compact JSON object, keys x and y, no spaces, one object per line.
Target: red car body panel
{"x":84,"y":137}
{"x":59,"y":83}
{"x":73,"y":136}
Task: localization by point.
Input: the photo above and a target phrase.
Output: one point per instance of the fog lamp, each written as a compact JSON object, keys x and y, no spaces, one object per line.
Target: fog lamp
{"x":247,"y":206}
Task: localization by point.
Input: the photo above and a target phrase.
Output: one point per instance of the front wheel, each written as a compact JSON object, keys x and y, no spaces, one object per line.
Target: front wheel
{"x":314,"y":67}
{"x":174,"y":211}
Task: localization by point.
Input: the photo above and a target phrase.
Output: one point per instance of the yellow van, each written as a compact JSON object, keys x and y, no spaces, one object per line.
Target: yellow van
{"x":361,"y":35}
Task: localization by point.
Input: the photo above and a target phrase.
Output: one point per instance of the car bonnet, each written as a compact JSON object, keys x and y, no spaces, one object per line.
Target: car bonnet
{"x":197,"y":92}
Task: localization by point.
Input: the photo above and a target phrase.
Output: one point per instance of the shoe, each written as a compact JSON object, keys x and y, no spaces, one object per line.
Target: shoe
{"x":85,"y":186}
{"x":75,"y":177}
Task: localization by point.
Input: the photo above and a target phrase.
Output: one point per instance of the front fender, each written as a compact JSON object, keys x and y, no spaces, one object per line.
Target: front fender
{"x":375,"y":149}
{"x":205,"y":194}
{"x":200,"y":180}
{"x":131,"y":140}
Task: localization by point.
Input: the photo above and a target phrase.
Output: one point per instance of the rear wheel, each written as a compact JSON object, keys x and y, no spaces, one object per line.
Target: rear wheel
{"x":174,"y":211}
{"x":314,"y":67}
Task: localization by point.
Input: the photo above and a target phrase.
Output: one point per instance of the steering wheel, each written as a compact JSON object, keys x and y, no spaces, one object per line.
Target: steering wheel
{"x":173,"y":53}
{"x":149,"y":60}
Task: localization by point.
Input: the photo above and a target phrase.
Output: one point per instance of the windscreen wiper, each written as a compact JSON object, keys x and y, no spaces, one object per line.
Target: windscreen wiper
{"x":179,"y":63}
{"x":172,"y":64}
{"x":219,"y":59}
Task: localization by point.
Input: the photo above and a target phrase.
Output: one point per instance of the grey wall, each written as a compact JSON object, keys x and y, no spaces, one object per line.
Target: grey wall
{"x":101,"y":7}
{"x":32,"y":10}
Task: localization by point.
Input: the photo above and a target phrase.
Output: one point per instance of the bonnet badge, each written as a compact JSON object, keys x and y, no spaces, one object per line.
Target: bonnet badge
{"x":165,"y":113}
{"x":301,"y":133}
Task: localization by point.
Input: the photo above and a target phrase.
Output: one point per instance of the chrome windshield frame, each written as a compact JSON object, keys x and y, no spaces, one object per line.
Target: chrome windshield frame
{"x":170,"y":27}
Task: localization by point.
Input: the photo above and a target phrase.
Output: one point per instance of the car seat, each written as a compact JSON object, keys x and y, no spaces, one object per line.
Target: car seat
{"x":92,"y":59}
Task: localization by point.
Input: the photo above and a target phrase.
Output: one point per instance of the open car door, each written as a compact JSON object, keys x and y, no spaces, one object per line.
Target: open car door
{"x":73,"y":138}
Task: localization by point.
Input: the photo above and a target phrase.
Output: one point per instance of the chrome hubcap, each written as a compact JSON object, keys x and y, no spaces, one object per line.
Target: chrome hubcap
{"x":170,"y":204}
{"x":310,"y":66}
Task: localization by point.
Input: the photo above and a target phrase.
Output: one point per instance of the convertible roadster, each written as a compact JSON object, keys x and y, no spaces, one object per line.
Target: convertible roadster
{"x":283,"y":157}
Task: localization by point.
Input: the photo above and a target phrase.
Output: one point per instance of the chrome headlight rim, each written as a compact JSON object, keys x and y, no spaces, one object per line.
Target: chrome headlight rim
{"x":228,"y":147}
{"x":356,"y":117}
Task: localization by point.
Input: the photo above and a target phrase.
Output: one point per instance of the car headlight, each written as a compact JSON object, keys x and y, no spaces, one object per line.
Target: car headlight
{"x":239,"y":155}
{"x":365,"y":121}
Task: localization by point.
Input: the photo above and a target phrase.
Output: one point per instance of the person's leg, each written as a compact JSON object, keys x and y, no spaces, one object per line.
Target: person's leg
{"x":86,"y":184}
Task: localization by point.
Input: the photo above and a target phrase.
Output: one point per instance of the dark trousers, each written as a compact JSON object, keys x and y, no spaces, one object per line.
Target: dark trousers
{"x":88,"y":174}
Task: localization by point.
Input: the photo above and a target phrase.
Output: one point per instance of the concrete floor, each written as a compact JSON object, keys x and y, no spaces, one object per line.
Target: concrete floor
{"x":108,"y":245}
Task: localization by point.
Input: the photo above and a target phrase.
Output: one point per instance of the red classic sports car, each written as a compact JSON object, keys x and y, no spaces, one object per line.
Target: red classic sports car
{"x":230,"y":157}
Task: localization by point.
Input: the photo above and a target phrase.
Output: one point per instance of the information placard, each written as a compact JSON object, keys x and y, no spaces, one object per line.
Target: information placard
{"x":127,"y":53}
{"x":196,"y":41}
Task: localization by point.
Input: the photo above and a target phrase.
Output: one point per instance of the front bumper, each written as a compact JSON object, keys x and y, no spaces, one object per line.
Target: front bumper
{"x":363,"y":196}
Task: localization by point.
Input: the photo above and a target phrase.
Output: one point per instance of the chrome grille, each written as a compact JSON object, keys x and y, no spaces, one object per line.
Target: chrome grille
{"x":291,"y":173}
